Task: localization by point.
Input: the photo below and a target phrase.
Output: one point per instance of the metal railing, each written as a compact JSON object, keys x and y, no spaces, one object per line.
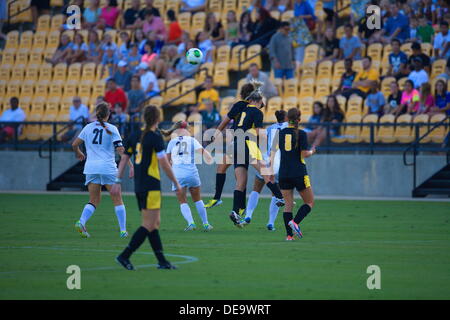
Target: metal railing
{"x":415,"y":147}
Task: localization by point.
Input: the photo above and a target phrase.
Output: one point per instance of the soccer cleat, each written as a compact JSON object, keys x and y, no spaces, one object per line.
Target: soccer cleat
{"x":280,"y":202}
{"x":237,"y":219}
{"x":296,"y":229}
{"x":247,"y":220}
{"x":190,"y":227}
{"x":213,"y":203}
{"x":123,"y":234}
{"x":124,"y":263}
{"x":270,"y":227}
{"x":289,"y":238}
{"x":81,"y":229}
{"x":167,"y":266}
{"x":207,"y":227}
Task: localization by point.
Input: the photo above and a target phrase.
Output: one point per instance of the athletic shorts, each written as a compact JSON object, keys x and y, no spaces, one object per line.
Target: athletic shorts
{"x":102,"y":179}
{"x":188,"y":181}
{"x":149,"y":200}
{"x":299,"y":183}
{"x":251,"y":153}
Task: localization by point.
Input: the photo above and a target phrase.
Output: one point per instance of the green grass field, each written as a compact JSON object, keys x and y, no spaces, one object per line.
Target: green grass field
{"x":409,"y":241}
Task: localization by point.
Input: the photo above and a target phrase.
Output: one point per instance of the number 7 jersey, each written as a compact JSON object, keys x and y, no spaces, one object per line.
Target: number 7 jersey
{"x":100,"y":148}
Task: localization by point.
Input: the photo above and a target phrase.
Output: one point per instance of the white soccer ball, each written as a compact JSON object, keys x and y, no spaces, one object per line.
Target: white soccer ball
{"x":194,"y":56}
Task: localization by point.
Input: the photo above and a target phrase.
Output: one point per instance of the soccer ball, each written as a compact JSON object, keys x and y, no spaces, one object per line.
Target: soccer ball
{"x":194,"y":56}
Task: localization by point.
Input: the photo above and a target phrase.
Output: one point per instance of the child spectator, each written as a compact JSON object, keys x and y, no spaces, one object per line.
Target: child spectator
{"x":397,"y":61}
{"x":210,"y":116}
{"x":123,"y":48}
{"x":94,"y":50}
{"x":410,"y":99}
{"x":441,"y":98}
{"x":133,"y":58}
{"x":394,"y":99}
{"x":232,"y":31}
{"x":175,"y":31}
{"x":78,"y":50}
{"x":208,"y":93}
{"x":413,"y":28}
{"x":347,"y":77}
{"x":442,"y":42}
{"x":62,"y":52}
{"x":349,"y":44}
{"x":375,"y":100}
{"x":107,"y":43}
{"x":426,"y":101}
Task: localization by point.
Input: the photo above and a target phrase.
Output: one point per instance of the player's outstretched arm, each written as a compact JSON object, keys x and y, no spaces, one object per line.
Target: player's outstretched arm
{"x":308,"y":153}
{"x":76,"y":148}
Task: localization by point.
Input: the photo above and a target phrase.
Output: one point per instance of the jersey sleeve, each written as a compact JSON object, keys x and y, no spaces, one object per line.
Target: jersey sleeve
{"x":130,"y":144}
{"x":83,"y":134}
{"x":158,"y":143}
{"x":170,"y":146}
{"x":116,"y":138}
{"x":303,"y":139}
{"x":235,"y":110}
{"x":259,"y":117}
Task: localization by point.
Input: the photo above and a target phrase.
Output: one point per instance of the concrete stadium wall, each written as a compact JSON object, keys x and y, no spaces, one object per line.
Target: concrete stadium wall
{"x":331,"y":175}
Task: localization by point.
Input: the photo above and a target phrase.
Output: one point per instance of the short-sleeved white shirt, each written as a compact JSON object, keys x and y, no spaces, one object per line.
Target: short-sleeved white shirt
{"x":100,"y":148}
{"x":182,"y":150}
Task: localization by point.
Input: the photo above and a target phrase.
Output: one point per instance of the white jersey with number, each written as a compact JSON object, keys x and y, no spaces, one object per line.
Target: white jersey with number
{"x":273,"y":132}
{"x":100,"y":148}
{"x":182,"y":150}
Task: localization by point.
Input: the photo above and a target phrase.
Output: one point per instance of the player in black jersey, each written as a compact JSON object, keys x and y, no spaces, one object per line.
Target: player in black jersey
{"x":246,"y":152}
{"x":149,"y":151}
{"x":293,"y":145}
{"x":233,"y":115}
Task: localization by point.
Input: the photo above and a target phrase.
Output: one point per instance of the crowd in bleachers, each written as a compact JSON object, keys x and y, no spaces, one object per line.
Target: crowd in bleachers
{"x":324,"y":58}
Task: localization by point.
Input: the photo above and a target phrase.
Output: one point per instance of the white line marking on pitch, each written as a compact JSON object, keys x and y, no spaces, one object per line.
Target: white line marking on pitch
{"x":188,"y":259}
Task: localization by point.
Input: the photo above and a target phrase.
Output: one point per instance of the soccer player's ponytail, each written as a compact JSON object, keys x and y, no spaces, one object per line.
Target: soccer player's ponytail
{"x":151,"y":117}
{"x":102,"y":114}
{"x":293,"y":116}
{"x":176,"y":126}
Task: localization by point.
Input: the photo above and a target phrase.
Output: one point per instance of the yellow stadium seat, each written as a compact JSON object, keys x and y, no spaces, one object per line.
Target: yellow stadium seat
{"x":198,"y":23}
{"x":342,"y":101}
{"x":354,"y":106}
{"x":306,"y":88}
{"x":173,"y":90}
{"x":194,"y":117}
{"x":275,"y":14}
{"x":422,"y":119}
{"x":290,"y":88}
{"x":357,"y":66}
{"x":325,"y":70}
{"x":306,"y":107}
{"x":27,"y":88}
{"x":41,"y":89}
{"x":12,"y":40}
{"x":43,"y":23}
{"x":13,"y":89}
{"x":311,"y":53}
{"x":71,"y":89}
{"x":55,"y":89}
{"x":60,"y":72}
{"x":386,"y":86}
{"x":57,"y":21}
{"x":98,"y":89}
{"x":253,"y":56}
{"x":273,"y":105}
{"x":439,"y":133}
{"x":223,"y":53}
{"x":340,"y":32}
{"x":184,"y":19}
{"x":5,"y":73}
{"x":352,"y":132}
{"x":36,"y":114}
{"x":338,"y":69}
{"x":35,"y":58}
{"x":74,"y":72}
{"x":53,"y":39}
{"x":229,"y":5}
{"x":162,"y":84}
{"x":26,"y":40}
{"x":18,"y":73}
{"x":427,"y":48}
{"x":438,"y":67}
{"x":84,"y":88}
{"x":237,"y":52}
{"x":220,"y":77}
{"x":290,"y":102}
{"x":8,"y":58}
{"x":215,"y":5}
{"x":45,"y":72}
{"x":2,"y":88}
{"x":403,"y":131}
{"x":365,"y":131}
{"x":201,"y":76}
{"x":375,"y":51}
{"x":401,"y":82}
{"x":180,"y":116}
{"x":287,"y":15}
{"x":225,"y":104}
{"x":156,"y":101}
{"x":406,"y":48}
{"x":88,"y":73}
{"x":309,"y":70}
{"x":189,"y":98}
{"x":22,"y":57}
{"x":322,"y":88}
{"x":50,"y":115}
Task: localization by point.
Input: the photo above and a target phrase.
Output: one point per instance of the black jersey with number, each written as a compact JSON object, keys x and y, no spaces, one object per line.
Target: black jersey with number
{"x":146,"y":169}
{"x":251,"y":117}
{"x":292,"y":165}
{"x":236,"y":111}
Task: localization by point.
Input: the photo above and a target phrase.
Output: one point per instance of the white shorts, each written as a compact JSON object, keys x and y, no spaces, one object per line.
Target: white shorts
{"x":188,"y":181}
{"x":102,"y":179}
{"x":276,"y":168}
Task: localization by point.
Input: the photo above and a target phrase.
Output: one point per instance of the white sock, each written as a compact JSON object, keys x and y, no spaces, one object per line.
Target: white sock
{"x":202,"y":211}
{"x":88,"y":211}
{"x":121,"y":217}
{"x":186,"y":212}
{"x":273,"y":211}
{"x":252,"y":203}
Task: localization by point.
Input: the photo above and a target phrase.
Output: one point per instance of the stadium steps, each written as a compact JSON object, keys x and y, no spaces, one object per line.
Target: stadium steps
{"x":72,"y":178}
{"x":437,"y":184}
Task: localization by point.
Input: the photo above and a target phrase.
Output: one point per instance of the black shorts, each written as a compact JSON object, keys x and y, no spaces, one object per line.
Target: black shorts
{"x":250,"y":154}
{"x":150,"y":200}
{"x":299,"y":183}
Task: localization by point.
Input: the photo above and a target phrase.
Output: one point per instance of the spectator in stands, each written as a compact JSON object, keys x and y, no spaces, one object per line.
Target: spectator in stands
{"x":347,"y":77}
{"x":205,"y":44}
{"x":183,"y":68}
{"x":446,"y":74}
{"x":397,"y":61}
{"x":154,"y":27}
{"x":268,"y":88}
{"x":210,"y":116}
{"x":123,"y":48}
{"x":312,"y":129}
{"x":281,"y":52}
{"x":349,"y":44}
{"x":79,"y":113}
{"x":114,"y":95}
{"x":14,"y":114}
{"x":94,"y":52}
{"x":366,"y":35}
{"x":410,"y":99}
{"x":123,"y":76}
{"x":149,"y":82}
{"x":442,"y":42}
{"x":175,"y":32}
{"x":418,"y":75}
{"x":169,"y":58}
{"x":302,"y":9}
{"x":108,"y":43}
{"x":397,"y":26}
{"x":135,"y":97}
{"x":232,"y":30}
{"x":110,"y":61}
{"x":330,"y":45}
{"x":441,"y":98}
{"x":441,"y":11}
{"x":140,"y":40}
{"x":214,"y":29}
{"x":3,"y":18}
{"x":246,"y":27}
{"x":417,"y":53}
{"x":193,"y":5}
{"x":38,"y":7}
{"x":149,"y":57}
{"x":133,"y":58}
{"x":148,"y":7}
{"x":92,"y":14}
{"x":394,"y":99}
{"x":208,"y":93}
{"x":331,"y":113}
{"x":62,"y":52}
{"x":78,"y":50}
{"x":131,"y":15}
{"x":375,"y":100}
{"x":425,"y":10}
{"x":364,"y":79}
{"x":425,"y":31}
{"x":109,"y":15}
{"x":413,"y":27}
{"x":328,"y":7}
{"x":264,"y":27}
{"x":426,"y":101}
{"x":119,"y":118}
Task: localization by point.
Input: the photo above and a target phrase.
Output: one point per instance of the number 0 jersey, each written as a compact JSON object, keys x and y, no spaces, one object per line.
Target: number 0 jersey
{"x":146,"y":169}
{"x":292,"y":165}
{"x":100,"y":148}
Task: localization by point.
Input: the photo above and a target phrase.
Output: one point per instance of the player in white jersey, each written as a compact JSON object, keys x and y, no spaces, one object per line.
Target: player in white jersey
{"x":182,"y":151}
{"x":101,"y":140}
{"x":272,"y":133}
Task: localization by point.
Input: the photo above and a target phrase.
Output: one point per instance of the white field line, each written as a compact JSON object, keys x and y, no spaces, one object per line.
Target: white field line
{"x":188,"y":259}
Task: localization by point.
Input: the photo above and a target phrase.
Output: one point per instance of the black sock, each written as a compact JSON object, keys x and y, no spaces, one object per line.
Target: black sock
{"x":287,"y":216}
{"x":155,"y":242}
{"x":275,"y":189}
{"x":220,"y":182}
{"x":244,"y":199}
{"x":302,"y":213}
{"x":238,"y":200}
{"x":136,"y":240}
